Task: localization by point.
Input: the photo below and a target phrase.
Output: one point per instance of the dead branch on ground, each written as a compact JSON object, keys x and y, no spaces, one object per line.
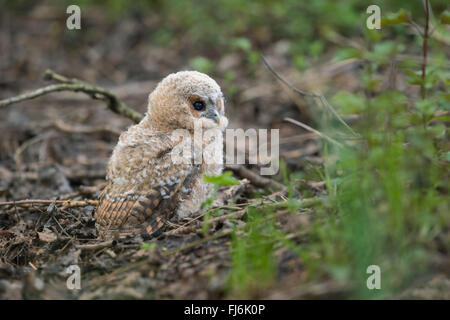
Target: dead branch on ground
{"x":75,"y":85}
{"x":39,"y":202}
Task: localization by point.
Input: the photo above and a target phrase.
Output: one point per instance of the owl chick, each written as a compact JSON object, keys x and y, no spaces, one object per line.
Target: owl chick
{"x":146,"y":187}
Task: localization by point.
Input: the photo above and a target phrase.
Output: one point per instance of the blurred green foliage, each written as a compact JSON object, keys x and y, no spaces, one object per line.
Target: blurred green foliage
{"x":391,"y":205}
{"x":248,"y":25}
{"x":254,"y":265}
{"x":201,"y":64}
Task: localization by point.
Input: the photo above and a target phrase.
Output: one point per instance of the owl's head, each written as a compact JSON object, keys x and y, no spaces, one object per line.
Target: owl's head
{"x":186,"y":99}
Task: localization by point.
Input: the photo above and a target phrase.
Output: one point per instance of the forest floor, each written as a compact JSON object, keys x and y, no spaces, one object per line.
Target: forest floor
{"x":55,"y":148}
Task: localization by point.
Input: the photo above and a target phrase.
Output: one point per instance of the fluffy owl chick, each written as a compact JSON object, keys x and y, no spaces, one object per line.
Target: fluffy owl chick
{"x":156,"y":168}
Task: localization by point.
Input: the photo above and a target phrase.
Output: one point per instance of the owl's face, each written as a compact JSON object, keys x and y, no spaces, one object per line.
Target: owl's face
{"x":185,"y":99}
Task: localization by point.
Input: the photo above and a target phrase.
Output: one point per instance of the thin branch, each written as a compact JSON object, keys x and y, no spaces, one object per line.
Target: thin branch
{"x":321,"y":97}
{"x":65,"y":203}
{"x":74,"y":85}
{"x":433,"y":29}
{"x":306,"y":127}
{"x":279,"y":77}
{"x":333,"y":111}
{"x":255,"y":178}
{"x":51,"y":75}
{"x":415,"y":26}
{"x":432,"y":17}
{"x":188,"y":228}
{"x":95,"y":246}
{"x":28,"y":143}
{"x":39,"y":92}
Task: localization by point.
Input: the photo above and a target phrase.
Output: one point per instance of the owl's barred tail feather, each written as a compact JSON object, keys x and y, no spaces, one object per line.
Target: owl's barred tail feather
{"x":144,"y":215}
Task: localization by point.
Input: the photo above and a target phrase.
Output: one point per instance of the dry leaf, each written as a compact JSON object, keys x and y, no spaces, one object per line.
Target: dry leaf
{"x":47,"y":235}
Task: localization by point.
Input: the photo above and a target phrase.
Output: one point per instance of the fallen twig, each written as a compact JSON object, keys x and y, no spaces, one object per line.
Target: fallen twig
{"x":67,"y":244}
{"x":65,"y":203}
{"x":75,"y":85}
{"x":254,"y":178}
{"x":188,"y":228}
{"x":95,"y":246}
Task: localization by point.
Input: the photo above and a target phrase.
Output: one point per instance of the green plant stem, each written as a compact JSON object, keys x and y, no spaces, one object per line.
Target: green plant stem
{"x":425,"y":48}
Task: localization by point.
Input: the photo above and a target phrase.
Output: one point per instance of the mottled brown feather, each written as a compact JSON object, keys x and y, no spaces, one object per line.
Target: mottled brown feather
{"x":145,"y":184}
{"x":148,"y":213}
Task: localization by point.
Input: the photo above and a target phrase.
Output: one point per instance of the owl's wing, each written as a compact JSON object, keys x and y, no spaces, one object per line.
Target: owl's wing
{"x":145,"y":188}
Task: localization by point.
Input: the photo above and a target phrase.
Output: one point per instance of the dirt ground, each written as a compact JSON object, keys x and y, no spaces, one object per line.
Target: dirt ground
{"x":55,"y":148}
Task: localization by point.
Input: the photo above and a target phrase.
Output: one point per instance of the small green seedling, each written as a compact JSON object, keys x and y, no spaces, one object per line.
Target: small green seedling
{"x":225,"y":179}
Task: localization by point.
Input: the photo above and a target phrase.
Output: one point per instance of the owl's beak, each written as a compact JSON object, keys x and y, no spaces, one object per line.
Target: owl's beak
{"x":214,"y":116}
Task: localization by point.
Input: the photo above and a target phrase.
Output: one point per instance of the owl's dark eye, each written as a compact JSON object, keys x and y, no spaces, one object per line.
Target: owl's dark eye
{"x":199,"y":105}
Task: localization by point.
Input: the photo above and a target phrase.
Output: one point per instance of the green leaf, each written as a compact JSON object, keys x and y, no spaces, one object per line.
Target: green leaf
{"x":414,"y":78}
{"x":391,"y":101}
{"x":402,"y":16}
{"x":349,"y":103}
{"x":241,"y":43}
{"x":445,"y":17}
{"x":148,"y":246}
{"x":447,"y":156}
{"x":201,"y":64}
{"x":293,"y":204}
{"x":347,"y":53}
{"x":300,"y":62}
{"x":316,"y":48}
{"x":438,"y":131}
{"x":253,"y":57}
{"x":225,"y":179}
{"x":383,"y":52}
{"x":207,"y":203}
{"x":426,"y":107}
